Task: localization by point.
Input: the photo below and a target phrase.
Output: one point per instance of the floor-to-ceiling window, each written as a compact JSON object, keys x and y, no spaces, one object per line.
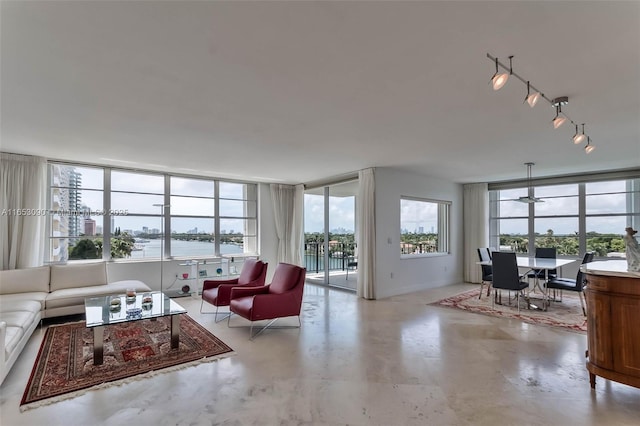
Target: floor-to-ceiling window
{"x":112,"y":213}
{"x":330,"y":251}
{"x":574,"y":215}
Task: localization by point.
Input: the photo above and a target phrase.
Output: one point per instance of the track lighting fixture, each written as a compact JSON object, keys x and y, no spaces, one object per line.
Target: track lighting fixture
{"x":532,"y":98}
{"x":579,"y":137}
{"x":589,"y":148}
{"x":499,"y":79}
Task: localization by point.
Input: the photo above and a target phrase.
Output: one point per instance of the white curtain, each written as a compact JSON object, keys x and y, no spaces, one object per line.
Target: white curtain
{"x":288,"y":204}
{"x":23,"y":189}
{"x":366,"y":220}
{"x":476,"y":228}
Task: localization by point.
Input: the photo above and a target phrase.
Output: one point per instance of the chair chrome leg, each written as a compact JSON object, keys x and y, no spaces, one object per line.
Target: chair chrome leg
{"x":215,"y":313}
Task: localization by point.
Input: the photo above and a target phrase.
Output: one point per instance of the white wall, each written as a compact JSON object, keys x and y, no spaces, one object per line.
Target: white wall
{"x":419,"y":273}
{"x":148,"y":271}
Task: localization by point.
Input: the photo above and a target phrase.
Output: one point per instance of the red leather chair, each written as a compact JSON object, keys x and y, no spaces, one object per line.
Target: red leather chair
{"x":218,"y":292}
{"x":281,"y":298}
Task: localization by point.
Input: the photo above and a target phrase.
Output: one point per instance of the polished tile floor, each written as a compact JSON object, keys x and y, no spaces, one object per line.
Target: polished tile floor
{"x":396,"y":361}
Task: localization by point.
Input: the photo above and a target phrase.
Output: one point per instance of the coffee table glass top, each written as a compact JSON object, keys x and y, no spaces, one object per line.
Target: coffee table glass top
{"x":102,"y":311}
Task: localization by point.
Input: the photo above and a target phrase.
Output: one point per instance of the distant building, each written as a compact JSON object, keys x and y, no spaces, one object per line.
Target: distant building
{"x":89,"y":227}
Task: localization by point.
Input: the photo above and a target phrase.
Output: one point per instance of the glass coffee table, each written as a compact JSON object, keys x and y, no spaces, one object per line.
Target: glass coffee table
{"x":106,"y":310}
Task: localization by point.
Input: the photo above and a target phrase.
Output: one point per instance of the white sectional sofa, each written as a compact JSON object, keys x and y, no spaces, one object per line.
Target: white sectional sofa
{"x":28,"y":295}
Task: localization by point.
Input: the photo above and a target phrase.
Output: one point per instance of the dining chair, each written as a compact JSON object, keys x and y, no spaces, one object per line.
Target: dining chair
{"x":507,"y":277}
{"x":569,"y":284}
{"x":543,"y":274}
{"x":485,"y":256}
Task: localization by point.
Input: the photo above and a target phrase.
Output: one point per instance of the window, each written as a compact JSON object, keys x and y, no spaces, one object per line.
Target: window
{"x":205,"y":217}
{"x":137,"y":232}
{"x":574,"y":217}
{"x":75,"y":221}
{"x":424,"y":226}
{"x":238,"y":218}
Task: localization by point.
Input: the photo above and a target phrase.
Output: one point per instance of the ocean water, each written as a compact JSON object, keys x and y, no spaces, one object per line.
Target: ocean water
{"x":180,"y":248}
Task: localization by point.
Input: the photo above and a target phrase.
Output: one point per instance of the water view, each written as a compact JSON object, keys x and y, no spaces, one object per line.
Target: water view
{"x":182,"y":248}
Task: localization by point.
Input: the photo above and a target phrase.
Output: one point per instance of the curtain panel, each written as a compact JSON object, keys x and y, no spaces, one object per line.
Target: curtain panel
{"x":288,"y":204}
{"x":476,"y":228}
{"x":366,"y":238}
{"x":23,"y":189}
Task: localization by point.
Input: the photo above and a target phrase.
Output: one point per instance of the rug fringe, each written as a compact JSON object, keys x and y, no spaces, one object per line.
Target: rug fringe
{"x":120,"y":382}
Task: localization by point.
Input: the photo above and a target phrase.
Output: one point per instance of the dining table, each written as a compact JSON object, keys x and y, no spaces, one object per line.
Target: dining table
{"x":538,"y":263}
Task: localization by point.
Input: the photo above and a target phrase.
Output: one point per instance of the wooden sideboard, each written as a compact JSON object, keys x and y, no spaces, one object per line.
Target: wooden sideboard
{"x":613,"y":323}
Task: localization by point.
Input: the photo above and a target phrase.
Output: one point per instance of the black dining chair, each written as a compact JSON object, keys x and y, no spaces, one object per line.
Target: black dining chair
{"x":485,"y":256}
{"x":506,"y":276}
{"x":571,"y":284}
{"x":542,"y":274}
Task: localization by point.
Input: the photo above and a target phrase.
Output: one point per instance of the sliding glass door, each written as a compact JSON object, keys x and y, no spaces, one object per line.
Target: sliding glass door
{"x":330,"y":240}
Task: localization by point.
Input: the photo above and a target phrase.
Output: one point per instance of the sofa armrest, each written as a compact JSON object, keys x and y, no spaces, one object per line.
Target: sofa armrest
{"x":237,"y":292}
{"x":3,"y":336}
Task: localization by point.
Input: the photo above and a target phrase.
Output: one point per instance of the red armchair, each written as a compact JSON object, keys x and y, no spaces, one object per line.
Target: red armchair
{"x":281,"y":298}
{"x":218,"y":292}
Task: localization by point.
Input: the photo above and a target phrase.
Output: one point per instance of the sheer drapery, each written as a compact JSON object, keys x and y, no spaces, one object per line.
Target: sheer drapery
{"x":288,"y":204}
{"x":366,"y":220}
{"x":476,"y":228}
{"x":23,"y":188}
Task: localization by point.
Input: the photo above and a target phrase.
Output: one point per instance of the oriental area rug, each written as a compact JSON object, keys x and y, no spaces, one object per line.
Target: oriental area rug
{"x":566,"y":315}
{"x":64,"y":366}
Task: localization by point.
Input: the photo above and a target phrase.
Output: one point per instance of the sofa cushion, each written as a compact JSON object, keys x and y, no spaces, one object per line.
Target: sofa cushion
{"x":75,"y":296}
{"x":78,"y":275}
{"x":24,"y":280}
{"x":22,"y":301}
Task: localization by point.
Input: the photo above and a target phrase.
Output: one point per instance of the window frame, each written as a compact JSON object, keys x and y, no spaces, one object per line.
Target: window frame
{"x":443,"y":226}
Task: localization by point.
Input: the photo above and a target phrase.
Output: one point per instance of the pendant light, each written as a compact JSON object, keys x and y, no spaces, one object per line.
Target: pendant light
{"x":529,"y":198}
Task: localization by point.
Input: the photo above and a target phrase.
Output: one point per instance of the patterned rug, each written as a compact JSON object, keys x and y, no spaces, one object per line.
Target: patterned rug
{"x":566,"y":314}
{"x":64,"y":366}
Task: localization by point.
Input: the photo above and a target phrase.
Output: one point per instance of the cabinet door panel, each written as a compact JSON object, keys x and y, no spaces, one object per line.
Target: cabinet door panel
{"x":598,"y":329}
{"x":626,"y":335}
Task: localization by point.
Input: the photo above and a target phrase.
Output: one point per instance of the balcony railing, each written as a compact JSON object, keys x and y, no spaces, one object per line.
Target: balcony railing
{"x":340,"y":255}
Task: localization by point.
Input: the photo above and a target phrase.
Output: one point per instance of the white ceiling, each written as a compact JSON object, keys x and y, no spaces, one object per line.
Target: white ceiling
{"x":299,"y":91}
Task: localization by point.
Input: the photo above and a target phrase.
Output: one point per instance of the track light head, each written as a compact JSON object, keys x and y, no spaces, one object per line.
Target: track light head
{"x":578,"y":138}
{"x":532,"y":98}
{"x":559,"y":120}
{"x":499,"y":79}
{"x":589,"y":148}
